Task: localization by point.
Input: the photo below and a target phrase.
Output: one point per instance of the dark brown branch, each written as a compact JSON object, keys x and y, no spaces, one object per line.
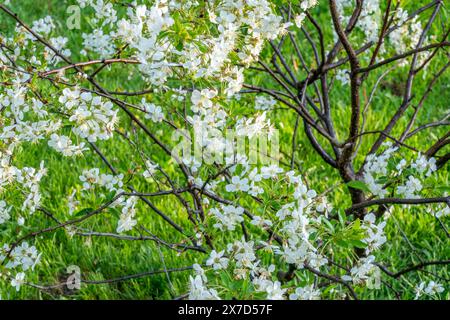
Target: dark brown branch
{"x":384,"y":201}
{"x":411,"y":268}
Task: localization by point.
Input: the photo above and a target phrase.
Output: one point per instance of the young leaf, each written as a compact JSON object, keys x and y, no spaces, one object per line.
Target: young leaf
{"x":356,"y":184}
{"x":83,"y":212}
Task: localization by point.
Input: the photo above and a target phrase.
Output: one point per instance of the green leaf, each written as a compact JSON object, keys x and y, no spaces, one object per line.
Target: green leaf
{"x":328,"y":223}
{"x":358,"y":244}
{"x":356,"y":225}
{"x":114,"y":211}
{"x":382,"y":180}
{"x":442,"y":188}
{"x":356,"y":184}
{"x":342,"y":217}
{"x":342,"y":243}
{"x":110,"y":196}
{"x":83,"y":212}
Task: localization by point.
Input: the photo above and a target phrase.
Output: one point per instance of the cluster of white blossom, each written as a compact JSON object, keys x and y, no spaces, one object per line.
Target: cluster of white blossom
{"x":299,"y":220}
{"x":127,"y":217}
{"x":214,"y":56}
{"x":27,"y":180}
{"x":443,"y":211}
{"x":197,"y":286}
{"x":377,"y":166}
{"x":254,"y":126}
{"x":30,"y":178}
{"x":92,"y":177}
{"x":264,"y":103}
{"x":98,"y":43}
{"x":150,"y":170}
{"x":21,"y":257}
{"x":227,"y":217}
{"x":375,"y":237}
{"x":217,"y":260}
{"x":366,"y":272}
{"x":65,"y":145}
{"x":209,"y":127}
{"x":296,"y":221}
{"x":141,"y":31}
{"x":343,"y":76}
{"x":422,"y":168}
{"x":152,"y":111}
{"x":44,"y":27}
{"x":208,"y":122}
{"x":92,"y":117}
{"x":305,"y":293}
{"x":4,"y":212}
{"x":410,"y":189}
{"x":23,"y":119}
{"x":304,"y":6}
{"x":104,"y":11}
{"x":431,"y":289}
{"x":404,"y":34}
{"x":20,"y":116}
{"x":247,"y":264}
{"x":369,"y":20}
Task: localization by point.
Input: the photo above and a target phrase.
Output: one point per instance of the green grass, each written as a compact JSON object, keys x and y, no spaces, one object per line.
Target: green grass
{"x":106,"y":258}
